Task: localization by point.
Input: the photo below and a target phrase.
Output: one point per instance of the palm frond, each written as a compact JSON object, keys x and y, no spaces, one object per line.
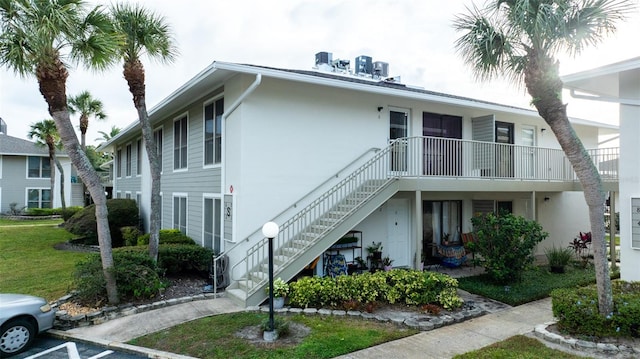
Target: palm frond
{"x":486,"y":45}
{"x":145,"y":33}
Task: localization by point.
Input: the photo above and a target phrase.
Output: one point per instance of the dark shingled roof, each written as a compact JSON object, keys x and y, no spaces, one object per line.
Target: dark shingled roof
{"x":17,"y":146}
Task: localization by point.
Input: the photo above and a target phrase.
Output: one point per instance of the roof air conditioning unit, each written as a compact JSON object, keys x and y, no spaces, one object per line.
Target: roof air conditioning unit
{"x":364,"y":65}
{"x":323,"y":58}
{"x":381,"y":69}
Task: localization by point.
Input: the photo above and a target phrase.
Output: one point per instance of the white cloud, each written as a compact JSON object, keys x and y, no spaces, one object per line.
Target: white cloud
{"x":414,"y":36}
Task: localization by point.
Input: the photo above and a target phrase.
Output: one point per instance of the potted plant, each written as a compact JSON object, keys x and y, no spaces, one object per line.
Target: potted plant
{"x":280,"y":291}
{"x":445,"y":239}
{"x":375,"y":250}
{"x":558,"y":258}
{"x":387,"y":263}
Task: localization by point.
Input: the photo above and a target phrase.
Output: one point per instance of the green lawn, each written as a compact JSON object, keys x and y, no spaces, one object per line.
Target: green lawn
{"x":536,"y":284}
{"x":517,"y":347}
{"x":28,"y":262}
{"x":329,"y":336}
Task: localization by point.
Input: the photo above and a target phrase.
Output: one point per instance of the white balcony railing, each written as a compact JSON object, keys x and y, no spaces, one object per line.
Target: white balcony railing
{"x":444,"y":157}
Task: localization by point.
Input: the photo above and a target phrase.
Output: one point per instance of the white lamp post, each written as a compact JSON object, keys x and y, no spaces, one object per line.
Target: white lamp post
{"x":270,"y":230}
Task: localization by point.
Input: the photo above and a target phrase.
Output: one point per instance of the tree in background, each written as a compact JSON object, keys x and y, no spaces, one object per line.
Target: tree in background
{"x":46,"y":134}
{"x":41,"y":38}
{"x":519,"y":39}
{"x":144,"y":33}
{"x":107,"y":136}
{"x":87,"y":107}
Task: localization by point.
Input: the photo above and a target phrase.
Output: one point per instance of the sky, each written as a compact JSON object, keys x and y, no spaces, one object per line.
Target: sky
{"x":415,"y":37}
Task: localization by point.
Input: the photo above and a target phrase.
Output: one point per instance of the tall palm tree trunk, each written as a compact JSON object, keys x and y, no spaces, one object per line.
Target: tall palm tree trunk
{"x":52,"y":179}
{"x":545,"y":88}
{"x":63,"y":201}
{"x":134,"y":74}
{"x":52,"y":84}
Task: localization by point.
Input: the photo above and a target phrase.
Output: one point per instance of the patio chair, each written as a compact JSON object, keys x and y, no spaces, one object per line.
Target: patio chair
{"x":335,"y":265}
{"x":468,"y":238}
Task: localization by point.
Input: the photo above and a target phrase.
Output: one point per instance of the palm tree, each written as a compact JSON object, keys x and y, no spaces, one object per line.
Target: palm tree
{"x":144,"y":32}
{"x":87,"y":106}
{"x":46,"y":134}
{"x":519,"y":40}
{"x":41,"y":38}
{"x":107,"y":136}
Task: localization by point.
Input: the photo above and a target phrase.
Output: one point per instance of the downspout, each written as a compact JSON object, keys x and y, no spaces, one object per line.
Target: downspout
{"x":226,"y":114}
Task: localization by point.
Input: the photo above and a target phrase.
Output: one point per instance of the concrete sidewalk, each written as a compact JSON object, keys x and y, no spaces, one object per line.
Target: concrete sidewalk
{"x":463,"y":337}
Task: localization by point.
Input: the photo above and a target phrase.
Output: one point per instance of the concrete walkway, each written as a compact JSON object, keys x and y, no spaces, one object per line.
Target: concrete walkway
{"x":463,"y":337}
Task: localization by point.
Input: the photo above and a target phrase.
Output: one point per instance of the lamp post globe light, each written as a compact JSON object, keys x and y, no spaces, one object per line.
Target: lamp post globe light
{"x":270,"y":230}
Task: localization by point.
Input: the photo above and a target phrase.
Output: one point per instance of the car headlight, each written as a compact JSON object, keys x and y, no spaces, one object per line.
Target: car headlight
{"x":45,"y":308}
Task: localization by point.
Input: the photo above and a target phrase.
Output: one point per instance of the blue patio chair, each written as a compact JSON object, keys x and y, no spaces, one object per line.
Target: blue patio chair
{"x":336,"y":265}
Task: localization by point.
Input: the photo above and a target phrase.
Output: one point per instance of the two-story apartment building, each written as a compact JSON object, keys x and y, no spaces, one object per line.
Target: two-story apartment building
{"x":25,"y":172}
{"x":325,"y":152}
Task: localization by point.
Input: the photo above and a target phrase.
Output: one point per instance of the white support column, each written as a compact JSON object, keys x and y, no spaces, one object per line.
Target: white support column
{"x":418,"y":227}
{"x":612,"y":228}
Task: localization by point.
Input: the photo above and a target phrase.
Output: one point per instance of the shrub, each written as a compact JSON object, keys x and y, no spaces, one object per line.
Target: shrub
{"x":69,"y":212}
{"x":167,"y":236}
{"x":42,"y":211}
{"x":558,"y":257}
{"x":122,"y":213}
{"x":16,"y":210}
{"x":178,"y":258}
{"x":395,"y":286}
{"x":577,"y":311}
{"x":136,"y":274}
{"x":280,"y":325}
{"x":505,"y":242}
{"x":130,"y":235}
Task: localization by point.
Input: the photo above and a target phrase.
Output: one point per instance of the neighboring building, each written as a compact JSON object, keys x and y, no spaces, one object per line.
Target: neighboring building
{"x":25,"y":174}
{"x":620,"y":83}
{"x":325,"y":152}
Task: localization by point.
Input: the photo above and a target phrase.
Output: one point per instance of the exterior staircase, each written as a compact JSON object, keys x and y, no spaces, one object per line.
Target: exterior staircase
{"x":311,"y":231}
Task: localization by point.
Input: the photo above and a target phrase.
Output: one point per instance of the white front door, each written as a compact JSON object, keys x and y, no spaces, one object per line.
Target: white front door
{"x":398,"y":247}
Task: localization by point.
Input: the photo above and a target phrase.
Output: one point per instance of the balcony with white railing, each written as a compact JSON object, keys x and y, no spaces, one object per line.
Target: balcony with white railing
{"x":445,"y":157}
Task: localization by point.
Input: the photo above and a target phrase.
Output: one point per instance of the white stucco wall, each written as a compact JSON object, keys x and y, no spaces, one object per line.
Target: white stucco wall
{"x":629,"y":175}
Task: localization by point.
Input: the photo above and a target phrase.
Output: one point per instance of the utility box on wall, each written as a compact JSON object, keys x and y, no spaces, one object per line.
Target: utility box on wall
{"x":635,"y":223}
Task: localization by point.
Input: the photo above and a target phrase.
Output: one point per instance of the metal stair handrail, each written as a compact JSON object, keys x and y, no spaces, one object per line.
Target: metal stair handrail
{"x":375,"y":171}
{"x":275,"y":218}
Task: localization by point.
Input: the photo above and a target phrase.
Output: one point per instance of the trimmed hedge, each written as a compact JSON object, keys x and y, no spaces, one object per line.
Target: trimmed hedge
{"x":396,"y":286}
{"x":577,"y":311}
{"x":137,"y":276}
{"x":167,"y":236}
{"x":122,"y":212}
{"x":178,"y":258}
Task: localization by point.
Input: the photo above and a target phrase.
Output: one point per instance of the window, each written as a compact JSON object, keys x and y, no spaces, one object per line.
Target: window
{"x":127,"y":195}
{"x":180,"y":143}
{"x":38,"y":198}
{"x":213,"y":132}
{"x":118,"y":194}
{"x":128,"y":161}
{"x":211,"y":223}
{"x":119,"y":163}
{"x":39,"y":167}
{"x":157,"y":138}
{"x":139,"y":157}
{"x":139,"y":203}
{"x":180,"y":213}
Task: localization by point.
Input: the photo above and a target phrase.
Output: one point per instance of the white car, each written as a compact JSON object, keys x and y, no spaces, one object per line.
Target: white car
{"x":22,"y":317}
